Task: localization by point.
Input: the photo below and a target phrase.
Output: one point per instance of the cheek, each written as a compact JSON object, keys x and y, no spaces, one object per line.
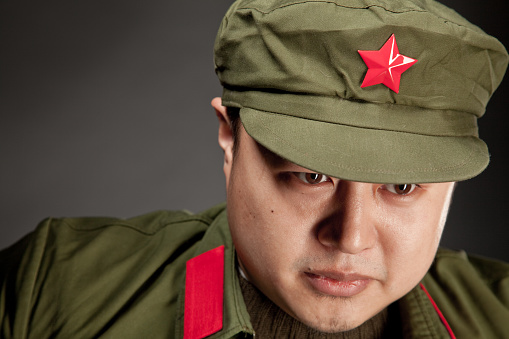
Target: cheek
{"x":251,"y":215}
{"x":267,"y":226}
{"x":410,"y":238}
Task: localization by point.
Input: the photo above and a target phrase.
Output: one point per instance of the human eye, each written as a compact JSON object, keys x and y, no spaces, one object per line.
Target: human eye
{"x":401,"y":189}
{"x":312,"y":178}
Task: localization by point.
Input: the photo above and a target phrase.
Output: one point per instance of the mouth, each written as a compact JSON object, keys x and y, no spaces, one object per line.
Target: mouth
{"x":337,"y":284}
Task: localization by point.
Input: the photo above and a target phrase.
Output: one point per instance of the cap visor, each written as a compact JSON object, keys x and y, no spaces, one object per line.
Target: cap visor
{"x":364,"y":154}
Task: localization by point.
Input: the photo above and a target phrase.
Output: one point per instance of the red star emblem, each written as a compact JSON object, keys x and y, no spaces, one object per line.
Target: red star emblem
{"x":386,"y":65}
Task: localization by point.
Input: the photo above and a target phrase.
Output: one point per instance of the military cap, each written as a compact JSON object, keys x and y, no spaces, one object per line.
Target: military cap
{"x":362,"y":90}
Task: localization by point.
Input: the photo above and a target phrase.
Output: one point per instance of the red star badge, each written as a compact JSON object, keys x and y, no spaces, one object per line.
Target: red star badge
{"x":386,"y":65}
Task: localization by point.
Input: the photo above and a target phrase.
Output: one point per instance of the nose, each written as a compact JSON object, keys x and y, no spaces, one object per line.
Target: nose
{"x":350,"y":227}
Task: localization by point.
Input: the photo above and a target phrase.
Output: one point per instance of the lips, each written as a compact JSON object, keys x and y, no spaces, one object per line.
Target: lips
{"x":337,"y":284}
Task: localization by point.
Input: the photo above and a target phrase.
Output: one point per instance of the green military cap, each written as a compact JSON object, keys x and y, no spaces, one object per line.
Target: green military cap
{"x":362,"y":90}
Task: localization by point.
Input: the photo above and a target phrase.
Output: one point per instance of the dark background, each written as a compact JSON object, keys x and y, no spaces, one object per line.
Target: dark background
{"x":104,"y":110}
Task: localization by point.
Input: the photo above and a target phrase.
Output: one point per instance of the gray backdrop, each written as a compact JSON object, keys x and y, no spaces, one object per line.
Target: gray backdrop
{"x":105,"y":111}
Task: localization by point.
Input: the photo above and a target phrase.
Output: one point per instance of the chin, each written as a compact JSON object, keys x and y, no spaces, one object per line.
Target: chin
{"x":332,"y":325}
{"x":330,"y":322}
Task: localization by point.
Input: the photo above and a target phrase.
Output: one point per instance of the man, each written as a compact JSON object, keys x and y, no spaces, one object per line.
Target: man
{"x":344,"y":126}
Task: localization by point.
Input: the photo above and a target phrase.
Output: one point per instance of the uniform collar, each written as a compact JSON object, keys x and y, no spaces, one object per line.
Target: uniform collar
{"x":235,"y":316}
{"x":419,"y":318}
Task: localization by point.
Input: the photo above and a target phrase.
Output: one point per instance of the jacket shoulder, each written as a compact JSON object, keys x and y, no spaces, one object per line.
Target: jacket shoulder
{"x":472,"y":292}
{"x":491,"y":271}
{"x":149,"y":223}
{"x":80,"y":276}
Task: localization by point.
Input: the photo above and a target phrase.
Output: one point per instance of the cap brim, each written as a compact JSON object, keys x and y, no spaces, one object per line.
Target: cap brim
{"x":364,"y":154}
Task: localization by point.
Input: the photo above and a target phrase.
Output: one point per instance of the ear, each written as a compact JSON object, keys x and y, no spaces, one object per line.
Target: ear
{"x":225,"y":136}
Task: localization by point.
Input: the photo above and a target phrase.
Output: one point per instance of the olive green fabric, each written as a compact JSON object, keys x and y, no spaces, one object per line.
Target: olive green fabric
{"x":109,"y":278}
{"x":270,"y":321}
{"x":114,"y":278}
{"x":294,"y":70}
{"x":472,"y":292}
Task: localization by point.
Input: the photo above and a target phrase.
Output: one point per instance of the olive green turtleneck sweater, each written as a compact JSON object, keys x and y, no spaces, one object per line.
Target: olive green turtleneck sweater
{"x":269,"y":321}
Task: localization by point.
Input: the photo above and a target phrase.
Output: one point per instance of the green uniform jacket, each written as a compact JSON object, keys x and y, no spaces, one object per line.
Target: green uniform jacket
{"x":111,"y":278}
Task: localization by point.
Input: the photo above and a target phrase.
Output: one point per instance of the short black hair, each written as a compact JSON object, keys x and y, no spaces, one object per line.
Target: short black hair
{"x":234,"y":116}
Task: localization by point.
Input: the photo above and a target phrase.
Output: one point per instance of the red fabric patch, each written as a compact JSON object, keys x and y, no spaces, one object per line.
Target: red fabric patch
{"x":203,"y":310}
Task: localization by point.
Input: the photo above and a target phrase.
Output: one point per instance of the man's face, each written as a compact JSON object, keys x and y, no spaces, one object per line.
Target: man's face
{"x":329,"y":252}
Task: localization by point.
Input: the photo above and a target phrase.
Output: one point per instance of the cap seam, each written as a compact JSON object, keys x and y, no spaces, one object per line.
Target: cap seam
{"x":350,"y":7}
{"x":239,"y":89}
{"x":332,"y":3}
